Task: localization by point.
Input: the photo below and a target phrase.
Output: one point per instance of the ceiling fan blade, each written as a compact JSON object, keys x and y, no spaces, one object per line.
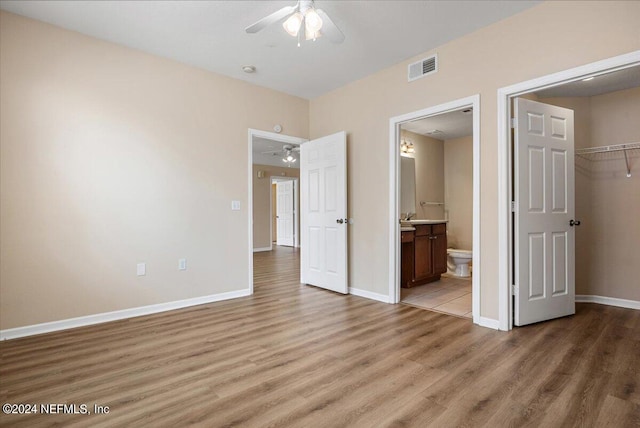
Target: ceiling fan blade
{"x":270,"y":19}
{"x":330,"y":29}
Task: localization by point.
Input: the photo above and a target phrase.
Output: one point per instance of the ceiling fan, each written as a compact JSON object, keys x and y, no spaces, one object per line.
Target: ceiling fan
{"x":288,"y":153}
{"x":315,"y":21}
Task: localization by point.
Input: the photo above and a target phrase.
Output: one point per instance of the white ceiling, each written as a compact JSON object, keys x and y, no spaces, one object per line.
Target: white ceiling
{"x":210,"y":34}
{"x":454,"y":124}
{"x":611,"y":82}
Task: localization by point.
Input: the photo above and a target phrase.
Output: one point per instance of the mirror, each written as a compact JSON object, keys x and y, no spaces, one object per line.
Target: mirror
{"x":407,"y":185}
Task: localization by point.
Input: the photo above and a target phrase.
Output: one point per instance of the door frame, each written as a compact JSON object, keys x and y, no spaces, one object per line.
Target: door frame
{"x":505,"y":165}
{"x":296,"y":209}
{"x":286,"y":139}
{"x":394,"y":195}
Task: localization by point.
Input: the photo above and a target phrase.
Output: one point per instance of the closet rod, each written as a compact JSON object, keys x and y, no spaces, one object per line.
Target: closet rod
{"x":609,"y":149}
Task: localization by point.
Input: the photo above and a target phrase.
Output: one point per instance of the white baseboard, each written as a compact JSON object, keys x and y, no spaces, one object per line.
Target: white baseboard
{"x":611,"y":301}
{"x":487,"y":322}
{"x":258,"y":250}
{"x":369,"y":295}
{"x":14,"y":333}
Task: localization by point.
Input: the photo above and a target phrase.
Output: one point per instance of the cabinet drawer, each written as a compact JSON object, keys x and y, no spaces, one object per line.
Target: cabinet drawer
{"x":407,"y":237}
{"x":439,"y":229}
{"x":423,"y":229}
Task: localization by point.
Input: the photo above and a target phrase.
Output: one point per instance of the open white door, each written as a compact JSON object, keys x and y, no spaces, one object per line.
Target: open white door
{"x":323,"y":210}
{"x":284,"y":213}
{"x":544,"y":200}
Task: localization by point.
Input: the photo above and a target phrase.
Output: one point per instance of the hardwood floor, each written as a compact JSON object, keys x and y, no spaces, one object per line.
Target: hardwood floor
{"x":294,"y":355}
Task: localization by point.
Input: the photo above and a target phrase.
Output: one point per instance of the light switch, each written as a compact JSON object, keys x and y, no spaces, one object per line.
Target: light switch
{"x":235,"y":205}
{"x":182,"y":264}
{"x":142,"y":269}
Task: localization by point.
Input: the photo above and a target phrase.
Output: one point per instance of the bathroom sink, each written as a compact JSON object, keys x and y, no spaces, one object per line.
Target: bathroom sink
{"x":404,"y":223}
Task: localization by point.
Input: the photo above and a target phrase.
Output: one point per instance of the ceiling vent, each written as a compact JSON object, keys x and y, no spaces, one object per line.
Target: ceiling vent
{"x":423,"y":67}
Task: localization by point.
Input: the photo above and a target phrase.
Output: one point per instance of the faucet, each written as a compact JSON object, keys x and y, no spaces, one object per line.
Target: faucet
{"x":408,"y":216}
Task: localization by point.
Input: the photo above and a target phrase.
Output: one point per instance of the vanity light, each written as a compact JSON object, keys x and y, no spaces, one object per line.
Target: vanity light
{"x":406,"y":146}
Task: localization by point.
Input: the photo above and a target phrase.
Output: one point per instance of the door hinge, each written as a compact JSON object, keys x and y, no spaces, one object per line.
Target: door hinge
{"x":513,"y":289}
{"x":514,"y":122}
{"x":513,"y":206}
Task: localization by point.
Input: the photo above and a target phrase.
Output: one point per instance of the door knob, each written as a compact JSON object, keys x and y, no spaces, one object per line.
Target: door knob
{"x":573,"y":222}
{"x":340,"y":221}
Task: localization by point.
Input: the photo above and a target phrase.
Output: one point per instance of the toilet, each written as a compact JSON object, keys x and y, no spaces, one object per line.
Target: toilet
{"x":458,"y":262}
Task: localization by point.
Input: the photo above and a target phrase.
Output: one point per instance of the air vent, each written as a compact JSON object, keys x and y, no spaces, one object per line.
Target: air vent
{"x":423,"y":67}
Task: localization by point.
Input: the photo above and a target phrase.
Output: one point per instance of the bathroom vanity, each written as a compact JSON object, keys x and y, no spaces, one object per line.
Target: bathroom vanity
{"x":423,"y":251}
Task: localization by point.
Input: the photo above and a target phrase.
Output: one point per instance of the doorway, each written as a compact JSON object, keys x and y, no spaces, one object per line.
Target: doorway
{"x":436,"y":184}
{"x":266,"y":151}
{"x":471,"y":106}
{"x":508,"y":262}
{"x":284,"y":211}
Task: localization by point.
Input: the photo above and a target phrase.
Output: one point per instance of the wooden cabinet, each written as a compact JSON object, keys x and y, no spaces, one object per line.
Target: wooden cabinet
{"x":424,"y":254}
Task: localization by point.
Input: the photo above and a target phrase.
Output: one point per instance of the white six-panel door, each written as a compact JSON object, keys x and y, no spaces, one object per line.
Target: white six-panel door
{"x":323,"y":210}
{"x":284,"y":213}
{"x":544,"y":206}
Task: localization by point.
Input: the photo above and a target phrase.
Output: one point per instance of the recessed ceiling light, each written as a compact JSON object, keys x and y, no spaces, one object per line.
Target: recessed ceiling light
{"x":587,"y":79}
{"x":248,"y":68}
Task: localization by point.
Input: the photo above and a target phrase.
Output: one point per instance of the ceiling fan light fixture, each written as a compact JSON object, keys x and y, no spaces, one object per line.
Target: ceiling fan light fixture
{"x":312,"y":21}
{"x":293,"y":23}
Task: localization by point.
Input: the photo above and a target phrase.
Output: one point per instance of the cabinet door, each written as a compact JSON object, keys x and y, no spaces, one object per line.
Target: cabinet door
{"x":406,"y":274}
{"x":439,"y":249}
{"x":423,"y":267}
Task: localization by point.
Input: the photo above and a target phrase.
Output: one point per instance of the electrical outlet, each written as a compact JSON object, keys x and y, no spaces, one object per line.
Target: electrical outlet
{"x":235,"y":205}
{"x":182,"y":264}
{"x":142,"y":269}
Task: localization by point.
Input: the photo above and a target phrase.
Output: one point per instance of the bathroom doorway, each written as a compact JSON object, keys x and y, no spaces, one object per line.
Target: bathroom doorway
{"x":436,"y":194}
{"x":440,"y":146}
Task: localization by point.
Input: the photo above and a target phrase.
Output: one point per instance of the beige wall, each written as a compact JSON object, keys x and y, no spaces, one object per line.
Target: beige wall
{"x":261,"y":201}
{"x":110,"y":157}
{"x":547,"y":38}
{"x":429,"y":158}
{"x":458,"y":192}
{"x":607,"y":202}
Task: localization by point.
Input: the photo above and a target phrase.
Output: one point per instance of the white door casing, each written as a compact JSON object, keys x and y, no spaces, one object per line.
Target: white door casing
{"x":284,"y":213}
{"x":544,"y":204}
{"x":323,"y":212}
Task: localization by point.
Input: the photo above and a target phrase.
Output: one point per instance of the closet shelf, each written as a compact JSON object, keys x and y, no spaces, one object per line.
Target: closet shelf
{"x":592,"y":153}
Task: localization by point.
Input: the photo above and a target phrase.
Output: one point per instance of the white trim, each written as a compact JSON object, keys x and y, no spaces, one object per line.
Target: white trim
{"x":611,"y":301}
{"x":369,"y":295}
{"x":505,"y":250}
{"x":488,"y":322}
{"x":14,"y":333}
{"x":261,"y":249}
{"x":287,"y":139}
{"x":394,"y":198}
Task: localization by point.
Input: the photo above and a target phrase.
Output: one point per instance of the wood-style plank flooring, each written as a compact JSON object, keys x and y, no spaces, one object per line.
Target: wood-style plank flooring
{"x":295,"y":355}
